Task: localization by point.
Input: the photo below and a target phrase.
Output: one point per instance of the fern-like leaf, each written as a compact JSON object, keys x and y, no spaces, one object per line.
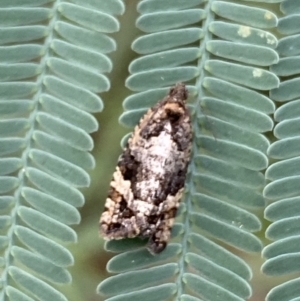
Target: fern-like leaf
{"x":282,"y":255}
{"x":230,"y":114}
{"x":52,"y":64}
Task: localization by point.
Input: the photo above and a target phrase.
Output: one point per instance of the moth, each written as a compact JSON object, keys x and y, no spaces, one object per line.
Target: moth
{"x":148,"y":183}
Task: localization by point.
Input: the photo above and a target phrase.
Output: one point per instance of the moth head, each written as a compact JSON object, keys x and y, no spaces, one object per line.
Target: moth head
{"x":179,"y":92}
{"x":175,"y":103}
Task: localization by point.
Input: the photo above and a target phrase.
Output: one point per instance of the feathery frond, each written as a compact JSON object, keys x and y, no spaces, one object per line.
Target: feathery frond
{"x":282,"y":255}
{"x":230,"y":114}
{"x":52,"y":63}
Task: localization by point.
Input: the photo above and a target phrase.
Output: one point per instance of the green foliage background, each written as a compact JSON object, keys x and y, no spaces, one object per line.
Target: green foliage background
{"x":220,"y":275}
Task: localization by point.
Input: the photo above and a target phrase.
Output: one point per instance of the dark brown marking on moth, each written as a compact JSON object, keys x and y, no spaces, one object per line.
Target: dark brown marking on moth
{"x":149,"y":179}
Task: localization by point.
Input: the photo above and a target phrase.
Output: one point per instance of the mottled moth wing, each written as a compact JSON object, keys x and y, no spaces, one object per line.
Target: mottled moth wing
{"x":149,"y":179}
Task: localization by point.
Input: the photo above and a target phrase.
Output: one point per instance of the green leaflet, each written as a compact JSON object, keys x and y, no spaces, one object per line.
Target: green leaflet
{"x":51,"y":77}
{"x":52,"y":59}
{"x":282,"y":255}
{"x":225,"y":64}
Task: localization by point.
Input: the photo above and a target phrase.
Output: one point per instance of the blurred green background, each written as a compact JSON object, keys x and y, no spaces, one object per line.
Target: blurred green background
{"x":90,"y":258}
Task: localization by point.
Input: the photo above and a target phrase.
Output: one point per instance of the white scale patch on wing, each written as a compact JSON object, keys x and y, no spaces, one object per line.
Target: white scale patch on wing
{"x":159,"y":151}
